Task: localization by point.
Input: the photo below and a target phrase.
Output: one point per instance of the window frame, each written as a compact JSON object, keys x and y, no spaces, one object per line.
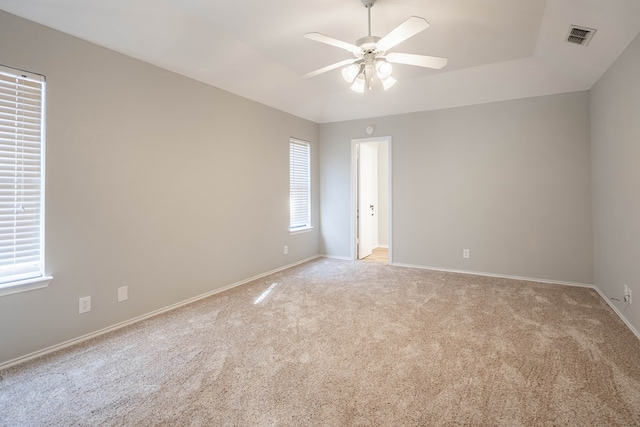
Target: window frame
{"x":12,"y":284}
{"x":307,"y":226}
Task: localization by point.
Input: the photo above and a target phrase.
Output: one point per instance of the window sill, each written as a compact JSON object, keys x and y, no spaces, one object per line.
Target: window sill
{"x":25,"y":285}
{"x":300,"y":230}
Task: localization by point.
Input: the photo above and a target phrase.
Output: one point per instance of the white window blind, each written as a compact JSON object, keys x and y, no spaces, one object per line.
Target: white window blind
{"x":21,"y":175}
{"x":299,"y":185}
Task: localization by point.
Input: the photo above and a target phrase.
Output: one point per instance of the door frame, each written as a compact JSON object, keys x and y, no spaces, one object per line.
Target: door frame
{"x":355,"y":143}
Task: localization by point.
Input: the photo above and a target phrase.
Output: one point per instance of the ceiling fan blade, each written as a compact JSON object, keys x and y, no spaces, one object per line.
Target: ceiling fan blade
{"x":333,"y":42}
{"x":417,"y":60}
{"x":329,"y":68}
{"x":402,"y":32}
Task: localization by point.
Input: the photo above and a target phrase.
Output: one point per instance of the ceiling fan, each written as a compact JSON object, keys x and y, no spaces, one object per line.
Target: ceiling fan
{"x":372,"y":62}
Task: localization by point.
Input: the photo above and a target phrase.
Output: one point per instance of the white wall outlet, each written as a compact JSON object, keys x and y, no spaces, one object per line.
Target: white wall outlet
{"x":627,"y":294}
{"x":465,"y":253}
{"x":286,"y":249}
{"x":123,"y":293}
{"x":84,"y":305}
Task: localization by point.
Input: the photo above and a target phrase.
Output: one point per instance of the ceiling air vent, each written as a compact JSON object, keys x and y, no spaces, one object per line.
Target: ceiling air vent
{"x":580,"y":35}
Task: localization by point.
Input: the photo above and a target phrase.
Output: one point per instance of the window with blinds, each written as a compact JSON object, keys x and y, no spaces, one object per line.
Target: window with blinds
{"x":299,"y":185}
{"x":21,"y":175}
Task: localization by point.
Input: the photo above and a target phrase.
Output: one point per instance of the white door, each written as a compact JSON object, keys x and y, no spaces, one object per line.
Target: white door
{"x":367,"y":199}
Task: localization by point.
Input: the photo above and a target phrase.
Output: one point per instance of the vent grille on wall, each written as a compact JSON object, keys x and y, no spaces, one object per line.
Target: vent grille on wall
{"x":580,"y":35}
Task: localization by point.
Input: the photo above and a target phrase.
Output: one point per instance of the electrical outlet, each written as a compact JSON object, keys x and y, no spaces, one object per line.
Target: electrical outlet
{"x":465,"y":253}
{"x":627,"y":294}
{"x":286,"y":249}
{"x":84,"y":305}
{"x":123,"y":293}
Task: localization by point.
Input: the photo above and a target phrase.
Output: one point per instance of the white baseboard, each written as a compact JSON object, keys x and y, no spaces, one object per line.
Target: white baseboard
{"x":383,"y":246}
{"x":344,"y":258}
{"x":618,"y":312}
{"x":112,"y":328}
{"x":502,"y":276}
{"x":532,"y":279}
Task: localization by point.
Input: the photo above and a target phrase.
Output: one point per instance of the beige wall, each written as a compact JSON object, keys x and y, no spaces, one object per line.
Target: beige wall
{"x":615,"y":132}
{"x":154,"y":181}
{"x":509,"y":180}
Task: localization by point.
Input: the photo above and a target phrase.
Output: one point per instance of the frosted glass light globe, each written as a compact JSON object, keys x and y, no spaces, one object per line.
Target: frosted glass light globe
{"x":350,"y":72}
{"x":383,"y":69}
{"x":388,"y":82}
{"x":358,"y":84}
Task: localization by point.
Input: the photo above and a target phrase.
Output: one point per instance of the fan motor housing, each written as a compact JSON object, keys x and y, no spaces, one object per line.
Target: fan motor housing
{"x":368,"y":43}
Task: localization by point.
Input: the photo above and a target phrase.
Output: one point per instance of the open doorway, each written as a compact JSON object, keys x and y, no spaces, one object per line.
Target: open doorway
{"x":371,"y":199}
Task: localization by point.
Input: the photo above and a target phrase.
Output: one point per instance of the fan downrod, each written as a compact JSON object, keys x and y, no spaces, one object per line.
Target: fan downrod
{"x":369,"y":4}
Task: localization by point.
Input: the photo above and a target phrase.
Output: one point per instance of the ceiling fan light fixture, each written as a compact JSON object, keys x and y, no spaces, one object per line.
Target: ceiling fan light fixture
{"x":359,"y":84}
{"x":372,"y":66}
{"x":350,"y":72}
{"x":388,"y":82}
{"x":383,"y":69}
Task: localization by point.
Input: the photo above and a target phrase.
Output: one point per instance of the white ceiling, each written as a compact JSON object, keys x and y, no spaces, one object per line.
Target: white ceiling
{"x":497,"y":49}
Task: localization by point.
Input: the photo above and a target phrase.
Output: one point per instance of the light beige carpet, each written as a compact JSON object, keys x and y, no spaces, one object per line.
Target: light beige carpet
{"x":338,"y":343}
